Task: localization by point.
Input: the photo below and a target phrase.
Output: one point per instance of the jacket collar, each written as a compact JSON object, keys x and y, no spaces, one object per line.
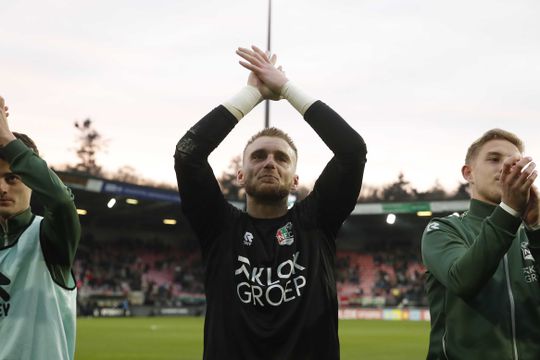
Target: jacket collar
{"x":481,"y":209}
{"x":17,"y":223}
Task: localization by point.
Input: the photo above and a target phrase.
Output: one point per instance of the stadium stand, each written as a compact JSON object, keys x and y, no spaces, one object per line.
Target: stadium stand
{"x":153,"y":273}
{"x":141,"y":254}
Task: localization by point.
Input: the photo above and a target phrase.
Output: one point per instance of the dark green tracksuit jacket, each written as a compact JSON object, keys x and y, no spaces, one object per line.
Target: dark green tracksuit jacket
{"x":482,"y":285}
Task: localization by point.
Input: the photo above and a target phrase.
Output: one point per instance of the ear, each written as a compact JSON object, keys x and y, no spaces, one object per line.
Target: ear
{"x":294,"y":183}
{"x":466,"y":172}
{"x":240,"y":178}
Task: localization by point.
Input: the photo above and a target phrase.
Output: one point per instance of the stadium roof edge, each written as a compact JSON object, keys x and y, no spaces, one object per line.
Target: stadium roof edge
{"x":117,"y":188}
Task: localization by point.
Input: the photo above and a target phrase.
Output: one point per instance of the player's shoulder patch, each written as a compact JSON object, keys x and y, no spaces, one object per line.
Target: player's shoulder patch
{"x":432,"y":226}
{"x":446,"y":223}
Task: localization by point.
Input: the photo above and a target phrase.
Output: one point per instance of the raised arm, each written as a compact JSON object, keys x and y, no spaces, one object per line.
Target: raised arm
{"x":61,"y":229}
{"x":338,"y":187}
{"x":202,"y":201}
{"x":463,"y":267}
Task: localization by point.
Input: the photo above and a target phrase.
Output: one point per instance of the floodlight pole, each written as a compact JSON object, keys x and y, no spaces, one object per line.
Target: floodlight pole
{"x":267,"y":102}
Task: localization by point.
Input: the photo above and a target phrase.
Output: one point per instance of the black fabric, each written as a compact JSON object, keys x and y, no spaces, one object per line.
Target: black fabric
{"x":270,"y":285}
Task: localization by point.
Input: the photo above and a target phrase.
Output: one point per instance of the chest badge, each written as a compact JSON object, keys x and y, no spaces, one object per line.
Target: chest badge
{"x":285,"y":235}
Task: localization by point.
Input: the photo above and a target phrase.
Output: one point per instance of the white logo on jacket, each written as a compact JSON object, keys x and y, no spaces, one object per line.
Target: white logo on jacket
{"x":529,"y":273}
{"x":525,"y":252}
{"x":433,"y":226}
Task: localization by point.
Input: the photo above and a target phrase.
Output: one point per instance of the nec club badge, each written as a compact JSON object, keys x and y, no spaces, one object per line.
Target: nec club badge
{"x":285,"y":235}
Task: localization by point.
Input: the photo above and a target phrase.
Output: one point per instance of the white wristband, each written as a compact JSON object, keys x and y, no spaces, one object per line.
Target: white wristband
{"x":243,"y":102}
{"x":296,"y":97}
{"x":509,"y":210}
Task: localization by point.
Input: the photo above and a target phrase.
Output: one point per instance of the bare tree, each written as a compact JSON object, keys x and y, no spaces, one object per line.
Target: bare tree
{"x":90,"y":143}
{"x":399,"y":190}
{"x":370,"y":193}
{"x":436,"y":192}
{"x":127,"y":174}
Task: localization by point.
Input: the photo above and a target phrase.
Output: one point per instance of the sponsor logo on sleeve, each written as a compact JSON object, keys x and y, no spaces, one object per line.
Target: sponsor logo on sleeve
{"x":525,"y":252}
{"x":529,"y":273}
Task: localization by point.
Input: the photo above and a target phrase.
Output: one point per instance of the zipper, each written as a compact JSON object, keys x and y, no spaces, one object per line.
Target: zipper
{"x":512,"y":307}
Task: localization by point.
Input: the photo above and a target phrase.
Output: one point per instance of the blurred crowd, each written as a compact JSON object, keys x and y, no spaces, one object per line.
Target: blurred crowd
{"x":145,"y":272}
{"x":157,"y":273}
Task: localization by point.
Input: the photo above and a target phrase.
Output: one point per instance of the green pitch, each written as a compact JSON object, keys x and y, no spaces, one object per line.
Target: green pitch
{"x":180,"y":338}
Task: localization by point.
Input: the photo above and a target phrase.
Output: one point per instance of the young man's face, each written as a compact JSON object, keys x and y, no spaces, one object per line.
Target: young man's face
{"x":14,"y":195}
{"x":484,"y":172}
{"x":268,"y":169}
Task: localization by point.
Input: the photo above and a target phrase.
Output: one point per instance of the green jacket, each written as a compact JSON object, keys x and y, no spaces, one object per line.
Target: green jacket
{"x":60,"y":230}
{"x":482,"y":286}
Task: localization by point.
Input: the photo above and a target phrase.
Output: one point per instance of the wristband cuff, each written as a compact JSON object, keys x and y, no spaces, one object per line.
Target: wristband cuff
{"x":296,"y":97}
{"x":509,"y":210}
{"x":243,"y":102}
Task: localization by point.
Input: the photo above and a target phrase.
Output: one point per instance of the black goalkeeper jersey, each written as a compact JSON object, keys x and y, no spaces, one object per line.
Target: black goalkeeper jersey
{"x":270,"y":285}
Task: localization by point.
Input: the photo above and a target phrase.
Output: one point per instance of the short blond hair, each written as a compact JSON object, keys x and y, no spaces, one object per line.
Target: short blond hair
{"x":493,"y":134}
{"x":273,"y":132}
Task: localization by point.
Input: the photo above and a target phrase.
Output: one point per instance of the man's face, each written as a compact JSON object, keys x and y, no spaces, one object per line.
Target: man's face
{"x":268,"y":169}
{"x":484,"y":172}
{"x":14,"y":195}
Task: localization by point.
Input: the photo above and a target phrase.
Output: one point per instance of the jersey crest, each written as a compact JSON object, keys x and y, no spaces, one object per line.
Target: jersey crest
{"x":285,"y":235}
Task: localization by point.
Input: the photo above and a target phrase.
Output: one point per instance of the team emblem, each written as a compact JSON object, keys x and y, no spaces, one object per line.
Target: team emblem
{"x":285,"y":235}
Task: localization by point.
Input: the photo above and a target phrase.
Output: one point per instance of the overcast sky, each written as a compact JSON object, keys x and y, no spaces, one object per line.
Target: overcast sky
{"x":419,"y":80}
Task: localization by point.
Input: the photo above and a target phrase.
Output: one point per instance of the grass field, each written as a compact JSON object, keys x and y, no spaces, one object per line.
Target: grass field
{"x":180,"y":338}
